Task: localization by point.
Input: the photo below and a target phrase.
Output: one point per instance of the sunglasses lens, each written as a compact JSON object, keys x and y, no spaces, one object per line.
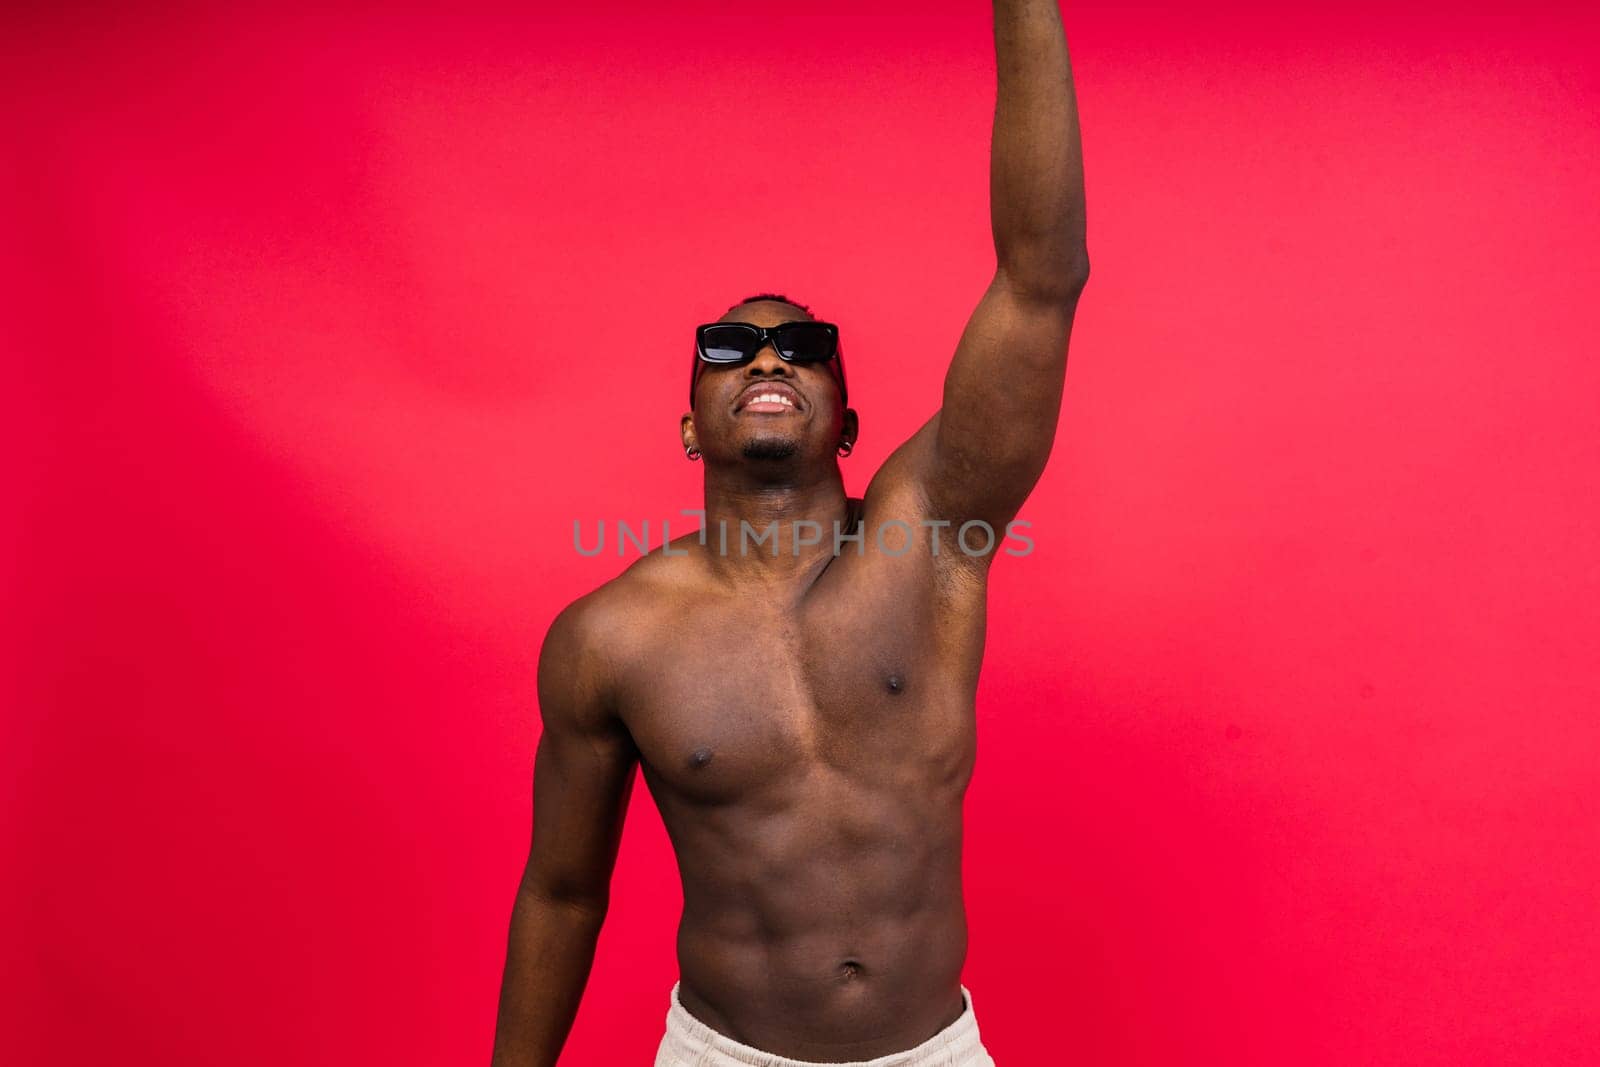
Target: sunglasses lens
{"x":806,"y":342}
{"x":727,"y":344}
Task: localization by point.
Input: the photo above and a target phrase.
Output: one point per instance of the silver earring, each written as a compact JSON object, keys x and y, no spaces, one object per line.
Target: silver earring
{"x":845,"y":448}
{"x":692,"y":452}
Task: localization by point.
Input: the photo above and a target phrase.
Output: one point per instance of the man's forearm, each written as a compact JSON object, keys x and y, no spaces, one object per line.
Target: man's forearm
{"x":1036,"y":161}
{"x":548,"y":959}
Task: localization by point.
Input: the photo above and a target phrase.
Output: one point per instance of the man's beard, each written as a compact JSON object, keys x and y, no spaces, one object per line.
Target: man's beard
{"x":769,"y":448}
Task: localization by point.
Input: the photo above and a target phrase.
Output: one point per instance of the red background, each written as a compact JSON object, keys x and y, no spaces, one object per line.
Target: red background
{"x":323,"y":328}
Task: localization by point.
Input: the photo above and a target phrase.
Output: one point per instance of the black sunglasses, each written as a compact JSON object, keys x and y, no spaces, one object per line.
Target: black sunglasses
{"x":728,"y":343}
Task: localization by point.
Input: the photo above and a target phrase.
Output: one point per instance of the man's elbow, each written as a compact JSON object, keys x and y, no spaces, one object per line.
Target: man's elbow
{"x":566,"y":896}
{"x":1057,"y":280}
{"x":1078,"y":270}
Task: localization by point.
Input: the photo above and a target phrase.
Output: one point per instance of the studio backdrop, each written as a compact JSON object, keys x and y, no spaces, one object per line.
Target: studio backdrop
{"x":324,"y":327}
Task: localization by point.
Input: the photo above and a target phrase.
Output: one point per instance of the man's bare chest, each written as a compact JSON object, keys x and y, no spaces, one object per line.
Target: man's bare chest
{"x":741,"y":696}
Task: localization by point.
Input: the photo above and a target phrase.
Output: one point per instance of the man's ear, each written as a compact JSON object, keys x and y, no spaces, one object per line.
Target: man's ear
{"x":850,"y":430}
{"x":686,"y":430}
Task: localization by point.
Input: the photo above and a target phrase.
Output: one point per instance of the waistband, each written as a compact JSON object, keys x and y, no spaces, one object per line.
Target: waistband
{"x":693,"y":1042}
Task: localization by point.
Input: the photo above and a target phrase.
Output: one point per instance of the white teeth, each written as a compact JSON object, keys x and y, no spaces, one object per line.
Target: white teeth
{"x":773,"y":398}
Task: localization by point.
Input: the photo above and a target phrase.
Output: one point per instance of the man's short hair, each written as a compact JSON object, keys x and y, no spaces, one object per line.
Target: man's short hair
{"x":776,"y":298}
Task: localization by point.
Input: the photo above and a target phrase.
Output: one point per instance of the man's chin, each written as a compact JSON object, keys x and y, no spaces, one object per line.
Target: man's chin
{"x":770,"y":448}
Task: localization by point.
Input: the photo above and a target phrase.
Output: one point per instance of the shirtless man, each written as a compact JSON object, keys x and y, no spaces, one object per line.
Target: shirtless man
{"x":803,"y":710}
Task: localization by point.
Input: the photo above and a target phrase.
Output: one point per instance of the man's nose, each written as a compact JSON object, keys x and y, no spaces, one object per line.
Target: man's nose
{"x":767,"y":361}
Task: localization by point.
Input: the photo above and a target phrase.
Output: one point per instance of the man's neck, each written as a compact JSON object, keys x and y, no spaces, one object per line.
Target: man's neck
{"x":756,"y":517}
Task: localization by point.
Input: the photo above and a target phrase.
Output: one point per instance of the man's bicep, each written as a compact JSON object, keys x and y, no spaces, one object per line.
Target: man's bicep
{"x":1002,"y":400}
{"x":583,"y":775}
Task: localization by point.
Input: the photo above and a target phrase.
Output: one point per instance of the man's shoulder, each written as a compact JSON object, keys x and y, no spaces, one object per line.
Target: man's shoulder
{"x":626,"y":609}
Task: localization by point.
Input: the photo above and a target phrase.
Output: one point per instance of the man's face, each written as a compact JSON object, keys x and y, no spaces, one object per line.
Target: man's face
{"x":766,"y":409}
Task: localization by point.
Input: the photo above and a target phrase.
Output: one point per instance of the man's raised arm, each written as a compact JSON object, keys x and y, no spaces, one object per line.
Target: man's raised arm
{"x":982,"y":454}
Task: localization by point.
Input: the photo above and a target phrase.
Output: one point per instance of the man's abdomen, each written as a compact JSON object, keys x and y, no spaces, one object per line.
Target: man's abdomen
{"x":829,"y":926}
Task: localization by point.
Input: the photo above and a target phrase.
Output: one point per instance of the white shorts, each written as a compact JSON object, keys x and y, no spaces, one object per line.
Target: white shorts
{"x":691,"y":1043}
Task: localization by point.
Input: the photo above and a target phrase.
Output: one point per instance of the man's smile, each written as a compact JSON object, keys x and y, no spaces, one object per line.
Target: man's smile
{"x":768,"y":398}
